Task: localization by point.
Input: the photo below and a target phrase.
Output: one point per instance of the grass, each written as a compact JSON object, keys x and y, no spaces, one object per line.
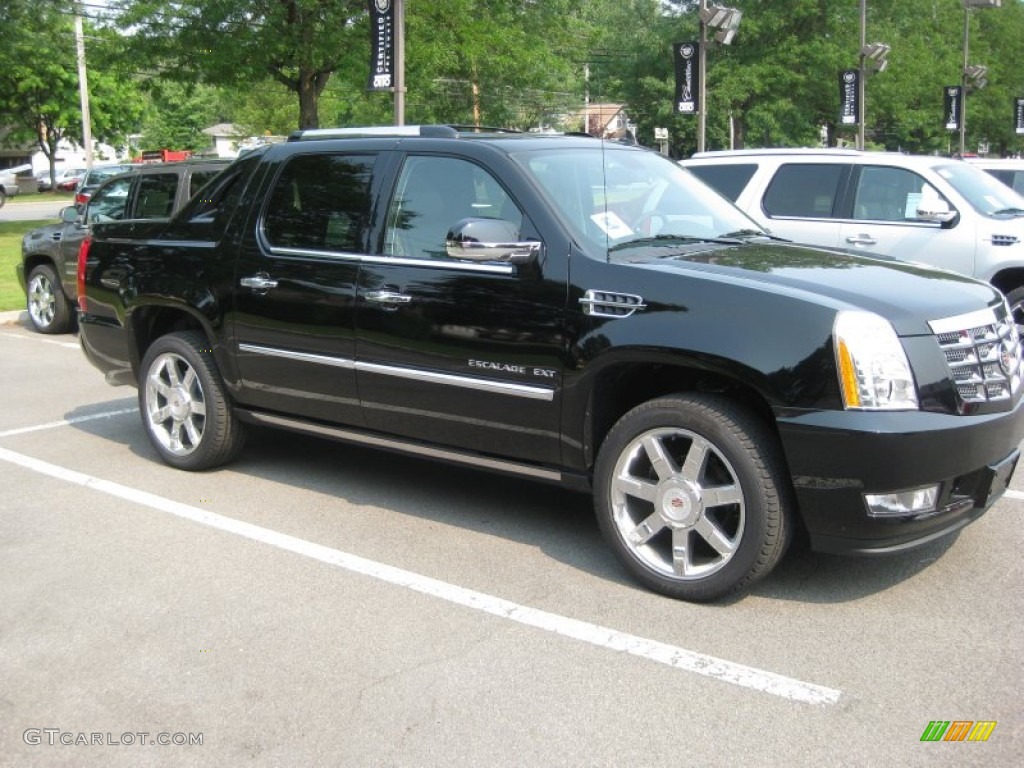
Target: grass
{"x":11,"y":232}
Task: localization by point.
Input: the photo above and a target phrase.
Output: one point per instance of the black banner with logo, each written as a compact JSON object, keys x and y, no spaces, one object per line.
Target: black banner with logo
{"x":687,"y":96}
{"x":1018,"y":116}
{"x":849,"y":97}
{"x":952,"y":106}
{"x":382,"y":45}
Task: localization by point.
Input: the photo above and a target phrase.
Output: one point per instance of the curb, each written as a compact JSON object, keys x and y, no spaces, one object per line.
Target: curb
{"x":15,"y":317}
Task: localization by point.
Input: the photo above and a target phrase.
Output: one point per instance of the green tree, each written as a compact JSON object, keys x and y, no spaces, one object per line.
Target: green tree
{"x":39,"y":94}
{"x":298,"y":43}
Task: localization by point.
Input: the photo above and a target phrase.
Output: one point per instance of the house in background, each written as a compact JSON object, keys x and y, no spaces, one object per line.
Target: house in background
{"x":606,"y":121}
{"x":226,"y":139}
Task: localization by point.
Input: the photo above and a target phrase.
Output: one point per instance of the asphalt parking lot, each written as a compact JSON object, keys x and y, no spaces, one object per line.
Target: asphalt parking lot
{"x":321,"y":604}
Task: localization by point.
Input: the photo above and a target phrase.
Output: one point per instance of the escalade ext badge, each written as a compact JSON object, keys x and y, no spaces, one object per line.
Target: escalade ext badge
{"x":611,"y":304}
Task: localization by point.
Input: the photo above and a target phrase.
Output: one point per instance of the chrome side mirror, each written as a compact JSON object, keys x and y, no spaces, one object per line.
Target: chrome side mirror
{"x":489,"y":240}
{"x":935,"y":210}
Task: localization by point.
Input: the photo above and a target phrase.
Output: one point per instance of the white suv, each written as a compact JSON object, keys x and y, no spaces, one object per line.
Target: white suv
{"x":934,"y":210}
{"x":1009,"y":171}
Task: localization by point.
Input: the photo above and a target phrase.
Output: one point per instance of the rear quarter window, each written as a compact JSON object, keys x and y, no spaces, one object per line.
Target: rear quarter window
{"x":804,"y":190}
{"x":730,"y":180}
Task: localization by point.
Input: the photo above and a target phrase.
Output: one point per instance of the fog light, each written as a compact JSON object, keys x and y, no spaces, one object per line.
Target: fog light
{"x":913,"y":502}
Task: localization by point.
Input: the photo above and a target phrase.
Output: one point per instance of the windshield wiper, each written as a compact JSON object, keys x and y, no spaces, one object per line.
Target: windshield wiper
{"x":745,"y":233}
{"x":673,"y":240}
{"x":1014,"y":211}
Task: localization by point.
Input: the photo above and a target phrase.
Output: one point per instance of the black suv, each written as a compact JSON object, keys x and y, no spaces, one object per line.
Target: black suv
{"x":573,"y":311}
{"x":49,"y":254}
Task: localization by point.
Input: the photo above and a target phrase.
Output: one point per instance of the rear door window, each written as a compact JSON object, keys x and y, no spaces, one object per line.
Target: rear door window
{"x":805,"y":190}
{"x":730,"y":180}
{"x":155,"y":198}
{"x":321,"y":203}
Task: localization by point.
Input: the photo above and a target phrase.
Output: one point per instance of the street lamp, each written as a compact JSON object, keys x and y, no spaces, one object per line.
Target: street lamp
{"x":971,"y":76}
{"x":725,"y":22}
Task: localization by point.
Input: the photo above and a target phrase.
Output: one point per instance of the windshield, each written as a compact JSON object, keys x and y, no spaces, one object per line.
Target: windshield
{"x":617,"y":198}
{"x":984,"y":192}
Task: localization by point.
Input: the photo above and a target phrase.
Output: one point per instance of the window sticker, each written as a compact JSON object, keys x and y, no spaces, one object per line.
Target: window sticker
{"x":913,"y":203}
{"x":611,"y":224}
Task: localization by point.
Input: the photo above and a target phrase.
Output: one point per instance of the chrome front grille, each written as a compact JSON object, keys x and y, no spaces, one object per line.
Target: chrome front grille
{"x":983,"y":353}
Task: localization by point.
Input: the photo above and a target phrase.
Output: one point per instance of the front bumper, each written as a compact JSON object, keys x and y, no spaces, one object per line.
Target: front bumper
{"x":835,"y":458}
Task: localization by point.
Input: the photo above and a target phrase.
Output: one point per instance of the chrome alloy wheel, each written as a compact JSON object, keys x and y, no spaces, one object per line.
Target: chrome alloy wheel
{"x":677,"y":503}
{"x":42,"y":300}
{"x":175,"y":404}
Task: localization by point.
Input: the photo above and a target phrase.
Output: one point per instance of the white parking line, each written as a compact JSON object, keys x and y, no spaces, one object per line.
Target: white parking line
{"x":66,"y":422}
{"x":68,"y":344}
{"x":663,"y":653}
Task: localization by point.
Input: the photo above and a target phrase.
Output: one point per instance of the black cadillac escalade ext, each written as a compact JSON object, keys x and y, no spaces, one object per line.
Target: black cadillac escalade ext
{"x":572,"y":311}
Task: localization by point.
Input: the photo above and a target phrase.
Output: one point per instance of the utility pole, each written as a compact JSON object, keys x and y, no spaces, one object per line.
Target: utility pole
{"x":83,"y":86}
{"x":862,"y":75}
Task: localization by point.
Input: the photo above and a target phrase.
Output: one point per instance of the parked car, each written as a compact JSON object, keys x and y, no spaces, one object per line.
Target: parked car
{"x":565,"y":309}
{"x":64,"y":179}
{"x":9,"y":184}
{"x":49,"y":254}
{"x":1008,"y":171}
{"x":91,"y":179}
{"x":934,"y":210}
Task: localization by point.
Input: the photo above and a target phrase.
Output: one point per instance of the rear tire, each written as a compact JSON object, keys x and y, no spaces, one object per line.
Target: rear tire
{"x":184,"y":406}
{"x":48,"y":308}
{"x":691,"y":495}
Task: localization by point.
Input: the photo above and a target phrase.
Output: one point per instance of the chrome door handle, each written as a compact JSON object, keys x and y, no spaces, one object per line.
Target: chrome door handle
{"x":388,"y":297}
{"x":861,"y":240}
{"x":258,"y":282}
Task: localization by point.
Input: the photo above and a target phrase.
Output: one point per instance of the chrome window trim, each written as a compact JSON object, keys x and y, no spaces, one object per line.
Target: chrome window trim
{"x":359,"y":258}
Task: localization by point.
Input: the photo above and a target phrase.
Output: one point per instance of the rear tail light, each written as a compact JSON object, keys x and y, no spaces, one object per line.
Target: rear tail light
{"x":81,"y":199}
{"x":83,"y":255}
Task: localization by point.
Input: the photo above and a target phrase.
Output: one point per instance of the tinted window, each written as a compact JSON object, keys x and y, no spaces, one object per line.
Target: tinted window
{"x":199,"y":179}
{"x":212,"y":210}
{"x":807,"y":190}
{"x":321,"y":202}
{"x":890,"y":194}
{"x":730,"y":180}
{"x":109,"y":202}
{"x":435,"y":193}
{"x":155,"y":199}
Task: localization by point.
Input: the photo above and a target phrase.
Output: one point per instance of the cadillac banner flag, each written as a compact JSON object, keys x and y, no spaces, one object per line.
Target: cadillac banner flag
{"x":1018,"y":116}
{"x":849,"y":97}
{"x":952,"y":105}
{"x":382,"y":45}
{"x":687,"y":98}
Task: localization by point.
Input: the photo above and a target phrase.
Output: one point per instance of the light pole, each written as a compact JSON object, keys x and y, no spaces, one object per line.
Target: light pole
{"x":725,"y":21}
{"x":873,"y":58}
{"x":970,"y":75}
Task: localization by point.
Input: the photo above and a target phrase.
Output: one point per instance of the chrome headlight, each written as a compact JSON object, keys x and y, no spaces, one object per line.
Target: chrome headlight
{"x":874,"y":374}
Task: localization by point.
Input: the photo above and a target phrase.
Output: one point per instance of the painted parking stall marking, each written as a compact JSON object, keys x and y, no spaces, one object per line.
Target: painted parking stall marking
{"x":593,"y":634}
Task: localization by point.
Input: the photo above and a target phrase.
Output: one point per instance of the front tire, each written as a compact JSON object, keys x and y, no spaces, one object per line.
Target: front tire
{"x":48,"y":308}
{"x":691,"y":495}
{"x":1015,"y":299}
{"x":183,"y":403}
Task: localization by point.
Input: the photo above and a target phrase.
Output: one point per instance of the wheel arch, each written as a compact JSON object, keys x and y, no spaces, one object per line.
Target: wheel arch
{"x":620,"y":386}
{"x":146,"y":324}
{"x":1008,"y":279}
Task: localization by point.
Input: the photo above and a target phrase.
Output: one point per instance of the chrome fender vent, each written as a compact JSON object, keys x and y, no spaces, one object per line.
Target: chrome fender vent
{"x":983,"y":353}
{"x":1005,"y":239}
{"x":610,"y":303}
